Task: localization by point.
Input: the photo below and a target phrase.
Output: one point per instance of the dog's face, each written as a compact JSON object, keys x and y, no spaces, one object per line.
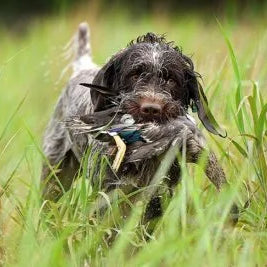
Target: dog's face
{"x":154,"y":82}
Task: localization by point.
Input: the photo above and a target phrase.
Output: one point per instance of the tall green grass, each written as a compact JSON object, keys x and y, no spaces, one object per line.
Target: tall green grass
{"x":194,"y":229}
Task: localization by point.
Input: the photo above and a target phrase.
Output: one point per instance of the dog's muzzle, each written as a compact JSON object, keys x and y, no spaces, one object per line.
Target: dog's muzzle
{"x":152,"y":107}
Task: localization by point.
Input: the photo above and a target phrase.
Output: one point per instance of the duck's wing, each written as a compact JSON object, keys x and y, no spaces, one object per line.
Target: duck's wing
{"x":152,"y":132}
{"x":101,"y":117}
{"x":78,"y":126}
{"x":144,"y":151}
{"x":160,"y":137}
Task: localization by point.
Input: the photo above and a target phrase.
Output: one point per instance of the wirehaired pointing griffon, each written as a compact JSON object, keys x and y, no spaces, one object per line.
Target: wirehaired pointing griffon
{"x":153,"y":83}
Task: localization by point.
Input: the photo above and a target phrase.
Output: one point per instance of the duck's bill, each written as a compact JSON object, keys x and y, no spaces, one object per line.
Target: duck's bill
{"x":101,"y":89}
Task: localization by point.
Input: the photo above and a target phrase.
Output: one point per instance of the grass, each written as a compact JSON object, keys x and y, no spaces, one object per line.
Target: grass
{"x":194,"y":229}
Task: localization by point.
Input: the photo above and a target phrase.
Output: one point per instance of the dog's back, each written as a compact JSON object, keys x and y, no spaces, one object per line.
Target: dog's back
{"x":75,"y":99}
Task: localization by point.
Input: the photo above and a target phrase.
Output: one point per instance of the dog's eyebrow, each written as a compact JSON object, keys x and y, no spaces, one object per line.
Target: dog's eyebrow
{"x":101,"y":89}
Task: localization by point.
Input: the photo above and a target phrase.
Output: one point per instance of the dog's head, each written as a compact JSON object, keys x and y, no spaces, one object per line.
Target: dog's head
{"x":154,"y":81}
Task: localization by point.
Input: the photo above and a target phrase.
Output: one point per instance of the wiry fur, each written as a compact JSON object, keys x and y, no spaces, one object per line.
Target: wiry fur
{"x":149,"y":69}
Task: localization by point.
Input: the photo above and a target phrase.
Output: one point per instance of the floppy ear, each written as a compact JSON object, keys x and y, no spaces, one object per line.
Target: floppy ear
{"x":196,"y":94}
{"x":108,"y":78}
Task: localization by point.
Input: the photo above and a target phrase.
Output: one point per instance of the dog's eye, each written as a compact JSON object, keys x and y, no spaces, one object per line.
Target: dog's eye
{"x":135,"y":77}
{"x":171,"y":82}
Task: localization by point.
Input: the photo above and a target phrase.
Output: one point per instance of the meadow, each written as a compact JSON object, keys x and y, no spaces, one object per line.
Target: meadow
{"x":230,"y":54}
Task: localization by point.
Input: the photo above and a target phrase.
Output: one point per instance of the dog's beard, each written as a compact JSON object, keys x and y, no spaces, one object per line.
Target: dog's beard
{"x":169,"y":108}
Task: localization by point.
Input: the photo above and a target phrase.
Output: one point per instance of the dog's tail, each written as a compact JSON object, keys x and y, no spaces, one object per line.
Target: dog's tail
{"x":83,"y":54}
{"x":83,"y":42}
{"x":79,"y":49}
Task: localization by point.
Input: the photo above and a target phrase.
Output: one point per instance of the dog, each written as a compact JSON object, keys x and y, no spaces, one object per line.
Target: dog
{"x":153,"y":81}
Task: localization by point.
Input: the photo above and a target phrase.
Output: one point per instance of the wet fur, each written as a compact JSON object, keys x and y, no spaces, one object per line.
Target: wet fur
{"x":155,"y":61}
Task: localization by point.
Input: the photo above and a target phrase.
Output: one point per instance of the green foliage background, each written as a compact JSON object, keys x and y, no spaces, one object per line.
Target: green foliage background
{"x":230,"y":53}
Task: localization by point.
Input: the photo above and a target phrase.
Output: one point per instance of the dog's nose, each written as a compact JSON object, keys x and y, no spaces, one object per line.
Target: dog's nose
{"x":151,"y":109}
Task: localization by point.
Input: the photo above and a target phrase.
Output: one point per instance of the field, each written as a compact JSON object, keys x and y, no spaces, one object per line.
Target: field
{"x":230,"y":54}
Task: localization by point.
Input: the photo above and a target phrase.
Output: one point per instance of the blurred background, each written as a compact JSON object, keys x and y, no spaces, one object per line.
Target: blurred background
{"x":19,"y":10}
{"x":35,"y":67}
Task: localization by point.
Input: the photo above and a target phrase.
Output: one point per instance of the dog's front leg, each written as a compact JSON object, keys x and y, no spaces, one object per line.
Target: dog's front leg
{"x":186,"y":136}
{"x":213,"y":170}
{"x":183,"y":134}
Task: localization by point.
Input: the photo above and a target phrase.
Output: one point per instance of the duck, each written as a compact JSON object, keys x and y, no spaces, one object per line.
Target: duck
{"x":124,"y":133}
{"x":113,"y":123}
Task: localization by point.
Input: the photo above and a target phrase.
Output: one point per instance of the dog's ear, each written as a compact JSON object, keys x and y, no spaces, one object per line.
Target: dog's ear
{"x":199,"y":101}
{"x":107,"y":77}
